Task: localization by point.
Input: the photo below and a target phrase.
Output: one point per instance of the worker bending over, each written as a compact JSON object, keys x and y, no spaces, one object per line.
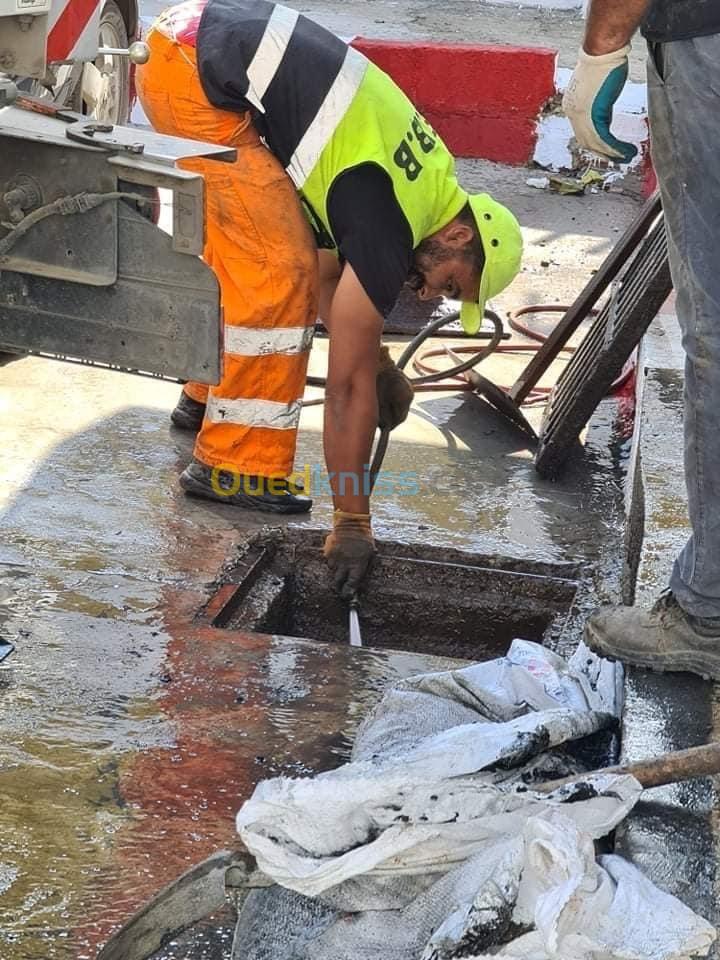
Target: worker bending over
{"x":340,"y":195}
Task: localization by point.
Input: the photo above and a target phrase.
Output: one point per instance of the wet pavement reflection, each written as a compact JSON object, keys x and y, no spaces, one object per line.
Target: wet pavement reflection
{"x":129,"y":732}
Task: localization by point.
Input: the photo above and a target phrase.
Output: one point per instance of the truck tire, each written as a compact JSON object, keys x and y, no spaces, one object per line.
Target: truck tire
{"x":101,"y":89}
{"x":104,"y":89}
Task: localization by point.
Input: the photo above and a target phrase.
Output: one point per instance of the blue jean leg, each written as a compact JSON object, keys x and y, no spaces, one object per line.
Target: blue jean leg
{"x":684,"y":104}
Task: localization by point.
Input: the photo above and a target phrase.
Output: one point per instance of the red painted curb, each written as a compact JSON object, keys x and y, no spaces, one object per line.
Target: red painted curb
{"x":501,"y":139}
{"x":483,"y":100}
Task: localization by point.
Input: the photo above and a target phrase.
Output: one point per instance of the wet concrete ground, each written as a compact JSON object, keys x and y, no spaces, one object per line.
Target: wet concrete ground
{"x":129,"y":732}
{"x":129,"y":735}
{"x":673,"y":832}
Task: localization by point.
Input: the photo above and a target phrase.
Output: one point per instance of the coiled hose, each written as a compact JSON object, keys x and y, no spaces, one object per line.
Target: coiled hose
{"x":436,"y":377}
{"x":430,"y":379}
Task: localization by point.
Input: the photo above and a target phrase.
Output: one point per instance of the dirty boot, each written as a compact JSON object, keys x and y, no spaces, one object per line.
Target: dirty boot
{"x":188,"y":414}
{"x":664,"y":638}
{"x":274,"y":495}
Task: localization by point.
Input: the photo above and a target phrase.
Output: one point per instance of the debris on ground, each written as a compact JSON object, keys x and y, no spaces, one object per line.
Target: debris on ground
{"x":540,"y":183}
{"x":574,"y":183}
{"x":566,"y":185}
{"x":431,"y":843}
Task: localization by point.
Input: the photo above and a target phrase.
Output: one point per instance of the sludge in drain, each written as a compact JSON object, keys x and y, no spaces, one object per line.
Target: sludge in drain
{"x":417,"y":598}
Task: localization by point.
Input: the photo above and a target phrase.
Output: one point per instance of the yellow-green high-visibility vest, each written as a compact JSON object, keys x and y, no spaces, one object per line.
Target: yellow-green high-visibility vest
{"x":382,"y":126}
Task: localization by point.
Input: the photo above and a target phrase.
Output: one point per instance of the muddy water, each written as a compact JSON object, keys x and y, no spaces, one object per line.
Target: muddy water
{"x":76,"y":702}
{"x":89,"y":546}
{"x":70,"y":713}
{"x":110,"y":790}
{"x":129,"y":735}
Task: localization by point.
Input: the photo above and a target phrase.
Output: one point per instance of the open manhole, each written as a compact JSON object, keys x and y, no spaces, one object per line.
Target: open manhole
{"x":417,"y":598}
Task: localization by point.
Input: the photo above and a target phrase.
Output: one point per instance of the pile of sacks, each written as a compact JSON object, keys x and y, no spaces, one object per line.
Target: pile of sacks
{"x":430,"y":844}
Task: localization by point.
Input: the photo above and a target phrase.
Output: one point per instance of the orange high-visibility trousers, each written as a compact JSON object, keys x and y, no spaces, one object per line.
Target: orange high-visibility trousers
{"x":261,"y":249}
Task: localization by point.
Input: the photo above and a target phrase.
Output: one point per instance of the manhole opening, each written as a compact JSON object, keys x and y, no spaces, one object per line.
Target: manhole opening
{"x":417,"y":598}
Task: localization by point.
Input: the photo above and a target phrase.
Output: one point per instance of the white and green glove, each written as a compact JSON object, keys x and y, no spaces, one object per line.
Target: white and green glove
{"x":589,"y":100}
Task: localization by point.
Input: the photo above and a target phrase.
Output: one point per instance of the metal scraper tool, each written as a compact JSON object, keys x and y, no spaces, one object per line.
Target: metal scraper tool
{"x":380,"y":451}
{"x":355,"y":635}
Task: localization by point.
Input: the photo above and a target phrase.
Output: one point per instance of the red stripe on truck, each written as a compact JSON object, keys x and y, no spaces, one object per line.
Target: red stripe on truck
{"x":69,"y":28}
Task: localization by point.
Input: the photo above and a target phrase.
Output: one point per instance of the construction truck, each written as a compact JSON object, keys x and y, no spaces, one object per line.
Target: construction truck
{"x":86,"y":273}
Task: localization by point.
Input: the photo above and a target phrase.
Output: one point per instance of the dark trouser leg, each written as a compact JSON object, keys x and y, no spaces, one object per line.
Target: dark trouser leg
{"x":684,"y":96}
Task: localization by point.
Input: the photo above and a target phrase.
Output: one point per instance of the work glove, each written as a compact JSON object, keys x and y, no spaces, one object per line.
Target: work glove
{"x":348,"y":550}
{"x":589,"y":100}
{"x":394,"y":392}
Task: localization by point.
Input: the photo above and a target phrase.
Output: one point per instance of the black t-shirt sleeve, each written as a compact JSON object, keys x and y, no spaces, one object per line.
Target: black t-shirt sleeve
{"x":372,"y":232}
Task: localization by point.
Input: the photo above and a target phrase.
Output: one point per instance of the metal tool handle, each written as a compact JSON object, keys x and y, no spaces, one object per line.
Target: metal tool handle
{"x":380,"y":451}
{"x":138,"y":52}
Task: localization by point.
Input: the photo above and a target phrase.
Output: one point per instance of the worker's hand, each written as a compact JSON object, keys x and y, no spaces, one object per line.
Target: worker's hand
{"x":349,"y":550}
{"x":589,"y":100}
{"x":394,"y":392}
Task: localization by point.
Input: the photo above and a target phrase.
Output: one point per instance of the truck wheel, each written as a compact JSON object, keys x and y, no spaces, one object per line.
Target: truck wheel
{"x":100,"y":90}
{"x":104,"y":89}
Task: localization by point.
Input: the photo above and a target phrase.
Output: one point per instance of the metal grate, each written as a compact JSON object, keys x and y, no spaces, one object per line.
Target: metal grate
{"x":582,"y":307}
{"x":508,"y":402}
{"x":634,"y":301}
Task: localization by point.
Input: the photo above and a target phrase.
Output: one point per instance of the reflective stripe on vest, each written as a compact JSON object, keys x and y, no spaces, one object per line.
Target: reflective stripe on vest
{"x":263,"y":55}
{"x":254,"y":413}
{"x":382,"y":126}
{"x":261,"y":341}
{"x":269,"y":54}
{"x":331,"y":113}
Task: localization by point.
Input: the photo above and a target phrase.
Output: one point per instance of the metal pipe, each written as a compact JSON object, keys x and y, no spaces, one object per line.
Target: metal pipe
{"x":138,"y":52}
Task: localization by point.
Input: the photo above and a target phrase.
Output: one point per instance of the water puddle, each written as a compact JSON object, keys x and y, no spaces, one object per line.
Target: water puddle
{"x":130,"y":732}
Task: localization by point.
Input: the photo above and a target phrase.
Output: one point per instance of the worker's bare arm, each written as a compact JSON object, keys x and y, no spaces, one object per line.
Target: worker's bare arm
{"x":351,"y":412}
{"x":329,"y":271}
{"x":611,"y":24}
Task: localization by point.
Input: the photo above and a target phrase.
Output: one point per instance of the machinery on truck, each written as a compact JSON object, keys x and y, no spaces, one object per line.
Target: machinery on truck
{"x":85,"y":272}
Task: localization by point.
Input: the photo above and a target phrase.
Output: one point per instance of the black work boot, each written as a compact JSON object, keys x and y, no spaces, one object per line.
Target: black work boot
{"x":664,"y":638}
{"x":188,"y":414}
{"x":274,"y":495}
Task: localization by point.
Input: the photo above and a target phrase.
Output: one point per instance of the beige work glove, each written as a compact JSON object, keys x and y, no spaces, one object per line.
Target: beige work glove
{"x":394,"y":392}
{"x":589,"y":101}
{"x":348,"y":550}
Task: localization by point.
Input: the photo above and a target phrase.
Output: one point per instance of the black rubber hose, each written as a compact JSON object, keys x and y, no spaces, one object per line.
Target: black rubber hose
{"x":379,"y":456}
{"x":474,"y":359}
{"x":427,"y":331}
{"x":407,"y":354}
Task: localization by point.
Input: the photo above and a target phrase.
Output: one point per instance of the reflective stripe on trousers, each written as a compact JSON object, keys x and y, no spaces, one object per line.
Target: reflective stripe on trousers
{"x":261,"y":249}
{"x":253,"y":342}
{"x":257,"y":413}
